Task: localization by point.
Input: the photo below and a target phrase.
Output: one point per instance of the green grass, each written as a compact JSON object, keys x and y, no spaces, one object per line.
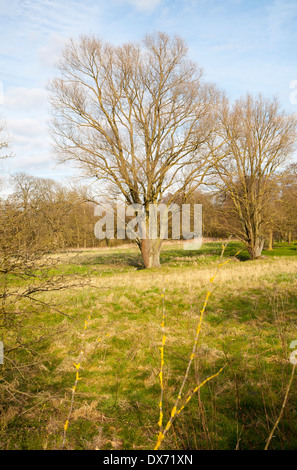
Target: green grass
{"x":282,"y":249}
{"x":248,"y":326}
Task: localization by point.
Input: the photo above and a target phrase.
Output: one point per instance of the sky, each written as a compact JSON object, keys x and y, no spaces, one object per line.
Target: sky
{"x":242,"y":46}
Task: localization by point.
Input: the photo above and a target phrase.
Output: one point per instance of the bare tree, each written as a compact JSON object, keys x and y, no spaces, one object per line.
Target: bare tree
{"x":53,"y":216}
{"x":26,"y":274}
{"x":287,"y":210}
{"x":136,"y":119}
{"x":257,"y":140}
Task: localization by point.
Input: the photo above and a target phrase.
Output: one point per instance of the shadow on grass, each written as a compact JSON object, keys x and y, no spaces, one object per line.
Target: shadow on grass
{"x":115,"y":259}
{"x":171,"y":255}
{"x":212,"y":250}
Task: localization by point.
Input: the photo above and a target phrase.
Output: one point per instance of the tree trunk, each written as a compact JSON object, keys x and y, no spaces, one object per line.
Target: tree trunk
{"x":150,"y":250}
{"x":270,"y":246}
{"x":77,"y":235}
{"x":290,"y":237}
{"x":255,"y":249}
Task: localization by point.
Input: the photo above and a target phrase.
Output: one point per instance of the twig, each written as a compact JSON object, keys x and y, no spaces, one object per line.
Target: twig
{"x":282,"y":408}
{"x":77,"y":378}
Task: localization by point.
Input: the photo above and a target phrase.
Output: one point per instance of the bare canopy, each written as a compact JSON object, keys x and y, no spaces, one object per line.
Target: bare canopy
{"x":137,"y":118}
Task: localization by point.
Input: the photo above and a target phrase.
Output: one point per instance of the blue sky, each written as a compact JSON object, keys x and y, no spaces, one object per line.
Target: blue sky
{"x":242,"y":45}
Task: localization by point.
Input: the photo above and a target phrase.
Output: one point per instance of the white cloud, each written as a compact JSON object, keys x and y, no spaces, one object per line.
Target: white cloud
{"x":27,"y":128}
{"x":29,"y":139}
{"x":25,"y":99}
{"x":49,"y":54}
{"x":42,"y":159}
{"x":30,"y":144}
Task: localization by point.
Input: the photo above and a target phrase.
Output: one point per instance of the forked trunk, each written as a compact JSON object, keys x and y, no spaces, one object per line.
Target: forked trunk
{"x":290,"y":237}
{"x":255,"y":249}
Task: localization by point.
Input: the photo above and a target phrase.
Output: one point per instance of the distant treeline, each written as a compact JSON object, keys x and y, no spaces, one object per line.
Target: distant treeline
{"x":42,"y":214}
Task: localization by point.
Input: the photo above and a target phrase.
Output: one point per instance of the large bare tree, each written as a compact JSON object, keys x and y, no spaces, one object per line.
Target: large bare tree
{"x":257,"y":140}
{"x":136,"y":118}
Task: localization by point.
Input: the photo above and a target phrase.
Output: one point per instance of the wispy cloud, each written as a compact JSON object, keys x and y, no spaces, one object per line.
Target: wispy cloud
{"x":49,"y":53}
{"x":24,"y":99}
{"x":27,"y":128}
{"x":282,"y":14}
{"x":241,"y":46}
{"x":51,"y":16}
{"x":9,"y":8}
{"x":143,"y":5}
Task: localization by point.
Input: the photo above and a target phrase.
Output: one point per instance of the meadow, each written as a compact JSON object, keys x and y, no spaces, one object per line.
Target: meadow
{"x":104,"y":336}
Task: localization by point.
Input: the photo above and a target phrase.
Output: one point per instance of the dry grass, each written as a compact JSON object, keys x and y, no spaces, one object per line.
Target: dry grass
{"x":249,"y":322}
{"x":237,"y":275}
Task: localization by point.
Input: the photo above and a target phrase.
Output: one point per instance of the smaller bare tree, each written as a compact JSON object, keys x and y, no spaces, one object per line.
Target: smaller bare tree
{"x":257,"y":140}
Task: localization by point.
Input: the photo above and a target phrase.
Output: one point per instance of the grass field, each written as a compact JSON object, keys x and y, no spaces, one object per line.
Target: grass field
{"x":249,"y":323}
